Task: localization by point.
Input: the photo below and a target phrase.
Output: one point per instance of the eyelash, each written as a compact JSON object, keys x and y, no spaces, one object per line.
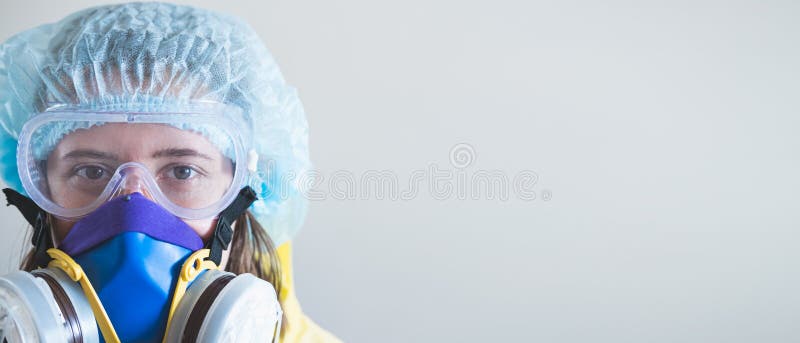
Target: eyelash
{"x":196,"y":171}
{"x":80,"y":170}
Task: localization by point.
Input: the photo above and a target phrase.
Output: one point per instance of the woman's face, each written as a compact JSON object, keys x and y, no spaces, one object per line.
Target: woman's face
{"x":188,"y":169}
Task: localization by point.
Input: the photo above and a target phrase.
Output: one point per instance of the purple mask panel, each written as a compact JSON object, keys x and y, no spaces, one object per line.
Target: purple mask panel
{"x":133,"y":213}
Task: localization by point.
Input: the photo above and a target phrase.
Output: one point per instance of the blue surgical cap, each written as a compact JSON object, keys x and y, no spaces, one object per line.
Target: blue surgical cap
{"x":153,"y":57}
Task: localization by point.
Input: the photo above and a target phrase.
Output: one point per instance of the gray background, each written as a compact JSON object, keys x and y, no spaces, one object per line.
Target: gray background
{"x":665,"y":132}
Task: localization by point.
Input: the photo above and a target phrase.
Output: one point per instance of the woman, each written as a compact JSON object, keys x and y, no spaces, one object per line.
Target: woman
{"x":172,"y":108}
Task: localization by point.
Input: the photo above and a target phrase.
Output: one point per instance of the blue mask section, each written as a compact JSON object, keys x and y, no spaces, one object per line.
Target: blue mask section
{"x":134,"y":276}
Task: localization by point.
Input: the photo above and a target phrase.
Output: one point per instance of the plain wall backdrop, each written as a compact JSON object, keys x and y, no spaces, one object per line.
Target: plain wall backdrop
{"x":662,"y":136}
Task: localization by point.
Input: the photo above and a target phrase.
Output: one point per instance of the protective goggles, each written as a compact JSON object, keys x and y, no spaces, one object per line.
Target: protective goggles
{"x":192,"y":164}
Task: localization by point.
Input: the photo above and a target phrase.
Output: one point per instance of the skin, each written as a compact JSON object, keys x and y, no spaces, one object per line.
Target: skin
{"x":83,"y":161}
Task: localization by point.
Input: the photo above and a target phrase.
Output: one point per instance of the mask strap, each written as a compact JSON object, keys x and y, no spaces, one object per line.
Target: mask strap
{"x":192,"y":267}
{"x":36,"y":217}
{"x":223,"y":233}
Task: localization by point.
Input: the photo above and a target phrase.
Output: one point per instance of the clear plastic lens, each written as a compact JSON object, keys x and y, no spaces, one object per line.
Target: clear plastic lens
{"x":179,"y":183}
{"x":192,"y":168}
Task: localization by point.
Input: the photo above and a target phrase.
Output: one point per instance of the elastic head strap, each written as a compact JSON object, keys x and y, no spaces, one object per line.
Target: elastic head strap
{"x":37,"y":217}
{"x":223,"y":232}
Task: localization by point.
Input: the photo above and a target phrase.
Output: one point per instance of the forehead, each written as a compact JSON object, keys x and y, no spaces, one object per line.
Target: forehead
{"x":131,"y":140}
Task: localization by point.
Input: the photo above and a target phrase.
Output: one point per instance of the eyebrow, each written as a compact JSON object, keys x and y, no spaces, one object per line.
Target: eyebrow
{"x":88,"y":153}
{"x":174,"y":152}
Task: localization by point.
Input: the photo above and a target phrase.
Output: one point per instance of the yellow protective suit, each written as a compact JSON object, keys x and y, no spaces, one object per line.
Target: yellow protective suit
{"x":297,"y":328}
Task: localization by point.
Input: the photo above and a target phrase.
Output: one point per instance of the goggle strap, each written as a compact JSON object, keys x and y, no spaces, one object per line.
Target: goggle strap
{"x":223,"y":232}
{"x":37,"y":218}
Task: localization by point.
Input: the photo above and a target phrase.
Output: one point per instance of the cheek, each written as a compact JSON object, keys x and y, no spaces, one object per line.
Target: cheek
{"x":61,"y":228}
{"x":204,"y":228}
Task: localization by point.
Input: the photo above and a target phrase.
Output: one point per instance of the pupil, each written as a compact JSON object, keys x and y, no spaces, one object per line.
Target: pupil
{"x":182,"y":172}
{"x":94,"y":173}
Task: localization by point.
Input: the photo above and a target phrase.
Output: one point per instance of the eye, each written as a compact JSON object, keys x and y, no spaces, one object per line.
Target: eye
{"x":91,"y":172}
{"x":182,"y":172}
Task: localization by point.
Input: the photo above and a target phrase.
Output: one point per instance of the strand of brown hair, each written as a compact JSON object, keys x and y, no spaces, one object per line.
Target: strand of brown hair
{"x":254,"y":252}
